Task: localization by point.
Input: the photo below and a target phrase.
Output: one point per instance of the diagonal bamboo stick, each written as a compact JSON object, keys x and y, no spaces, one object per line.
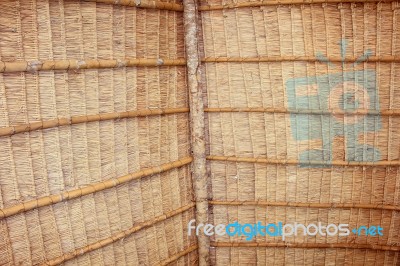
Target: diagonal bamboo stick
{"x":11,"y":130}
{"x":104,"y":242}
{"x":145,"y":4}
{"x":297,"y":162}
{"x":89,"y":189}
{"x":264,"y":203}
{"x":306,"y":245}
{"x":393,"y":112}
{"x":313,"y":59}
{"x":178,"y":255}
{"x":284,"y":2}
{"x":72,"y":64}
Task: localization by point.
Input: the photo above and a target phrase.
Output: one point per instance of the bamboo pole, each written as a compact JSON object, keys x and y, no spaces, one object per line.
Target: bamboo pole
{"x":393,"y":112}
{"x":197,"y":123}
{"x":178,"y":255}
{"x":11,"y":130}
{"x":296,"y":162}
{"x":318,"y":205}
{"x":89,"y":189}
{"x":312,"y":59}
{"x":306,"y":245}
{"x":284,"y":2}
{"x":72,"y":64}
{"x":104,"y":242}
{"x":145,"y":4}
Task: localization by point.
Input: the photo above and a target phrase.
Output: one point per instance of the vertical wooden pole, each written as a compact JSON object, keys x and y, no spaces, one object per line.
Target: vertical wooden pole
{"x":197,"y":123}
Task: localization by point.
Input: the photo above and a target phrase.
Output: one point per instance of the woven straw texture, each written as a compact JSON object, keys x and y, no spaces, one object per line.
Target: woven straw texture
{"x":101,"y":162}
{"x":283,"y":42}
{"x":108,"y":189}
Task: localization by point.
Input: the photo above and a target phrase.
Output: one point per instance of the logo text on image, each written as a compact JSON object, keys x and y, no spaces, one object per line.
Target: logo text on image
{"x":280,"y":229}
{"x":342,"y":104}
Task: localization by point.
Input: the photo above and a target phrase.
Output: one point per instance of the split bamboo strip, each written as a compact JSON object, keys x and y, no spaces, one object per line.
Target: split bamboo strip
{"x":91,"y":188}
{"x":296,"y":162}
{"x":116,"y":237}
{"x":386,"y":59}
{"x":178,"y":255}
{"x":11,"y":130}
{"x":200,"y":179}
{"x":282,"y":2}
{"x":306,"y":204}
{"x":306,"y":245}
{"x":72,"y":64}
{"x":303,"y":111}
{"x":145,"y":4}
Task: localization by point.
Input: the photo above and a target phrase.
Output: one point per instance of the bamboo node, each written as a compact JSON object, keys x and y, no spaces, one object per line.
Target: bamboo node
{"x":2,"y":214}
{"x":160,"y":62}
{"x":80,"y":63}
{"x":69,"y":64}
{"x":121,"y":63}
{"x":34,"y":65}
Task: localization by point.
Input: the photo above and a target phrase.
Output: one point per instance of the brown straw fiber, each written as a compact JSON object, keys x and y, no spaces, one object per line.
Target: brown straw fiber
{"x":386,"y":59}
{"x":116,"y":237}
{"x":305,"y":111}
{"x":65,"y":65}
{"x":306,"y":204}
{"x":92,"y":188}
{"x":178,"y":255}
{"x":305,"y":245}
{"x":216,"y":79}
{"x":297,"y":162}
{"x":8,"y":131}
{"x":283,"y":2}
{"x":18,"y":66}
{"x":143,"y":4}
{"x":250,"y":55}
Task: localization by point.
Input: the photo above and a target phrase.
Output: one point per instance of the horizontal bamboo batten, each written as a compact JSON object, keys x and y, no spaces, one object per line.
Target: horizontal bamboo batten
{"x":142,"y":4}
{"x":302,"y":111}
{"x":263,"y":203}
{"x":116,"y":237}
{"x":21,"y":66}
{"x":313,"y":59}
{"x":283,"y":2}
{"x":89,"y":189}
{"x":178,"y":255}
{"x":8,"y":131}
{"x":305,"y":245}
{"x":297,"y":162}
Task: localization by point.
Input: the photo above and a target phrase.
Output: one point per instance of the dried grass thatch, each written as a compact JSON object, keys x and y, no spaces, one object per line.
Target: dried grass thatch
{"x":121,"y":121}
{"x":95,"y":140}
{"x":251,"y":50}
